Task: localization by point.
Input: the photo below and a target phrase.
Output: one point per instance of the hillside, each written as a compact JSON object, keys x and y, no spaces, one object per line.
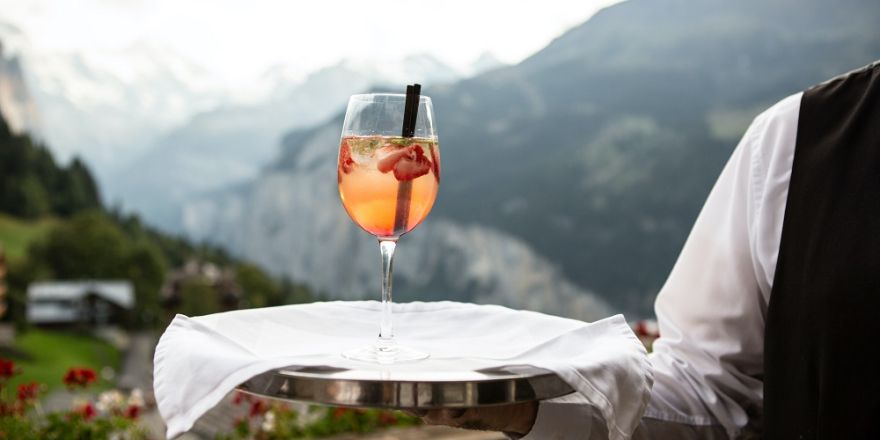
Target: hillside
{"x":17,"y":235}
{"x":594,"y":155}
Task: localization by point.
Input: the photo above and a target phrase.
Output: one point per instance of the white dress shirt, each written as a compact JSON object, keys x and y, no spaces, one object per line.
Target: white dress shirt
{"x":708,"y":362}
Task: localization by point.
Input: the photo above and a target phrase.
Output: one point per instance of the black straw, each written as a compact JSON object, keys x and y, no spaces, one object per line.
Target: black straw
{"x":411,"y":110}
{"x":404,"y":189}
{"x":407,"y":109}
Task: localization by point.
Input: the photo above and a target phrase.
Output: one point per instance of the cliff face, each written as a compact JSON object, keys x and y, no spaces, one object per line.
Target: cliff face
{"x":16,"y":105}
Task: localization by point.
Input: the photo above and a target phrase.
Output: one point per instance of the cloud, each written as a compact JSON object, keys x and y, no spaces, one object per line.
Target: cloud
{"x":240,"y":40}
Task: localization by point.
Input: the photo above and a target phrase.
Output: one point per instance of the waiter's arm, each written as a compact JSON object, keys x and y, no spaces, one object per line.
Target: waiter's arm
{"x":708,"y":362}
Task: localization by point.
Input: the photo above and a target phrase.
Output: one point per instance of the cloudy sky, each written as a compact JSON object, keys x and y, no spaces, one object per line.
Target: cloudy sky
{"x":238,"y":40}
{"x":111,"y":76}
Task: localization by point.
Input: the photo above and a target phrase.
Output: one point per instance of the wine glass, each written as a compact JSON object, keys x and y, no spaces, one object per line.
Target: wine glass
{"x":388,"y":179}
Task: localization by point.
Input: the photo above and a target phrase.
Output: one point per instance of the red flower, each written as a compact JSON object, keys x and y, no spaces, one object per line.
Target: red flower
{"x":133,"y":412}
{"x":7,"y":368}
{"x":258,"y":407}
{"x":240,"y":397}
{"x":387,"y":418}
{"x":79,"y":377}
{"x":87,"y":411}
{"x":644,"y":330}
{"x":346,"y":163}
{"x":408,"y":163}
{"x":28,"y":392}
{"x":339,"y":412}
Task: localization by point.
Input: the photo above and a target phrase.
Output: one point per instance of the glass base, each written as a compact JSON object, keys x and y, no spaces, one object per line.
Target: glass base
{"x":385,"y":352}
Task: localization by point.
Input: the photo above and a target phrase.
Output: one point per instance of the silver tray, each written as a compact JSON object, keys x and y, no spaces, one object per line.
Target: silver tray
{"x":407,"y":390}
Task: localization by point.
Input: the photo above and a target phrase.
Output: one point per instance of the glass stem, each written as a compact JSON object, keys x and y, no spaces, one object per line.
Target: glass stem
{"x":386,"y":335}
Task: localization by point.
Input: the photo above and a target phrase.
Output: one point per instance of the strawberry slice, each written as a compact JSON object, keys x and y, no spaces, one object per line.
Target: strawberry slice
{"x":410,"y":168}
{"x":389,"y":155}
{"x":346,"y":163}
{"x":408,"y":163}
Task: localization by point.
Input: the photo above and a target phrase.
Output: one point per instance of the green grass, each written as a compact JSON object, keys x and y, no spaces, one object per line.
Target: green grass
{"x":16,"y":234}
{"x":52,"y":352}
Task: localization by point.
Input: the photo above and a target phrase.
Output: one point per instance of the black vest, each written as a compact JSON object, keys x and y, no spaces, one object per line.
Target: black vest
{"x":822,"y":377}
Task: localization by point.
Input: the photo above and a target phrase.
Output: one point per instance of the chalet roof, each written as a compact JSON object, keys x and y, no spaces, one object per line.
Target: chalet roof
{"x":119,"y":292}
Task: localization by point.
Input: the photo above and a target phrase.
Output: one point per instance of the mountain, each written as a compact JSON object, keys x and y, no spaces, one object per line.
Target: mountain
{"x":106,"y":105}
{"x":290,"y":221}
{"x":108,"y":110}
{"x":596,"y":153}
{"x":486,"y":62}
{"x":600,"y":149}
{"x":232,"y":143}
{"x":17,"y":107}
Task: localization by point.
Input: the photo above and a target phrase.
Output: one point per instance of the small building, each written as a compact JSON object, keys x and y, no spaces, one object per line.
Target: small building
{"x":92,"y":302}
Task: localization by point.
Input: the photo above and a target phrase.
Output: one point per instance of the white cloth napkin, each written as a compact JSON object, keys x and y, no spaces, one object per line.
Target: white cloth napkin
{"x":199,"y":360}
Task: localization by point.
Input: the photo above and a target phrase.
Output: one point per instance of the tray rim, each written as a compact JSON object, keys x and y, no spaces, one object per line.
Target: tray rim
{"x":291,"y":384}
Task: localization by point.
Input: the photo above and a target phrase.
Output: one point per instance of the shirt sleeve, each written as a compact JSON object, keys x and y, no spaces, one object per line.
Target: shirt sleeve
{"x":708,"y":363}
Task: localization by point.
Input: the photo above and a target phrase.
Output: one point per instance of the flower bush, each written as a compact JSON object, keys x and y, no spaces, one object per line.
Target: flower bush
{"x":647,"y":331}
{"x":113,"y":415}
{"x":79,"y":378}
{"x":272,"y":420}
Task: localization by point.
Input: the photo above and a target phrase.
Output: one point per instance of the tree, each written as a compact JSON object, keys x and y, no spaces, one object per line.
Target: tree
{"x":296,"y":293}
{"x":31,"y":198}
{"x":33,"y":185}
{"x":145,"y":268}
{"x":259,"y":289}
{"x":74,"y":189}
{"x":87,"y":246}
{"x":197,"y":297}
